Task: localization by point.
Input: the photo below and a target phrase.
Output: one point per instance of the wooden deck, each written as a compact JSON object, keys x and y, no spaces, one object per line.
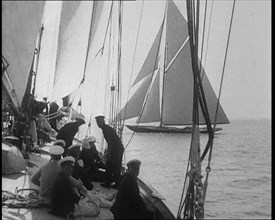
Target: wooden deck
{"x":22,"y":180}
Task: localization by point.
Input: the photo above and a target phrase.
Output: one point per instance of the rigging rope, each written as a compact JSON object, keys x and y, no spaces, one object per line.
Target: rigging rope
{"x":123,"y":121}
{"x":202,"y":42}
{"x":208,"y":36}
{"x":148,"y":90}
{"x":208,"y":168}
{"x":225,"y":58}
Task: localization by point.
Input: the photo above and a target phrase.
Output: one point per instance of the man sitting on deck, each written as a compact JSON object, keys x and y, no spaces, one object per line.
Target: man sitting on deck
{"x":91,"y":159}
{"x":64,"y":196}
{"x":78,"y":171}
{"x":47,"y":174}
{"x":129,"y":204}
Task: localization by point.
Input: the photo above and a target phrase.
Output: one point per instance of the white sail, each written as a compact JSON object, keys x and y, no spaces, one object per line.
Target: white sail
{"x":21,"y":21}
{"x":46,"y":63}
{"x":72,"y":46}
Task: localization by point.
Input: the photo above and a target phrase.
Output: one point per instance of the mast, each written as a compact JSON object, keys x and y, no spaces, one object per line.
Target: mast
{"x":28,"y":99}
{"x":164,"y":72}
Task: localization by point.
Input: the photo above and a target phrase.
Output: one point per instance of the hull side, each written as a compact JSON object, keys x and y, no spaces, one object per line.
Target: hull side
{"x":156,"y":129}
{"x":154,"y":201}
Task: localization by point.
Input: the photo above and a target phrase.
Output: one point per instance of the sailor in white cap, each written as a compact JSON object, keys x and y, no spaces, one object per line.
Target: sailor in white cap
{"x":69,"y":130}
{"x":59,"y":142}
{"x":64,"y":196}
{"x":79,"y":172}
{"x":75,"y":146}
{"x":125,"y":206}
{"x":68,"y":159}
{"x":91,"y":159}
{"x":47,"y":174}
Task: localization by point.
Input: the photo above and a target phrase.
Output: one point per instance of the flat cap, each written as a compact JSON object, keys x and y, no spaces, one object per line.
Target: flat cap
{"x":80,"y":116}
{"x":59,"y":142}
{"x":133,"y":163}
{"x":75,"y":146}
{"x":91,"y":139}
{"x":56,"y":150}
{"x":68,"y":159}
{"x":99,"y":117}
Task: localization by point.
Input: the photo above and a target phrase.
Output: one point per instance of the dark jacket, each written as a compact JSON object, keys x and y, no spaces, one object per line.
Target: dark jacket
{"x":115,"y":148}
{"x":80,"y":173}
{"x":67,"y":133}
{"x":89,"y":157}
{"x":128,"y":203}
{"x":63,"y":196}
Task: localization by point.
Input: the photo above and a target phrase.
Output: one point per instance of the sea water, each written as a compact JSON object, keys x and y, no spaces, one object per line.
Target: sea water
{"x":239,"y":184}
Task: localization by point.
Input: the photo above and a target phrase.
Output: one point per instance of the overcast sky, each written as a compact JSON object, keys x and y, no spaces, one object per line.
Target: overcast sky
{"x":247,"y":83}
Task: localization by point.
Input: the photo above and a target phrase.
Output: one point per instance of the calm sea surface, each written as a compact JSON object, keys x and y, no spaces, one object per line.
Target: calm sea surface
{"x":239,"y":185}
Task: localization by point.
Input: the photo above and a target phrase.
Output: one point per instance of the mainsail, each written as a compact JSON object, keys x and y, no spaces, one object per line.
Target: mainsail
{"x":20,"y":27}
{"x":177,"y":89}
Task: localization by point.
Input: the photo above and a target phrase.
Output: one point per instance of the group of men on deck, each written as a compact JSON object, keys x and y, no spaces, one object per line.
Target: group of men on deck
{"x":63,"y":181}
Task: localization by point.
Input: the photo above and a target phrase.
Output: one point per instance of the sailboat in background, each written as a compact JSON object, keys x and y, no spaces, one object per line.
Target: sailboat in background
{"x":165,"y":83}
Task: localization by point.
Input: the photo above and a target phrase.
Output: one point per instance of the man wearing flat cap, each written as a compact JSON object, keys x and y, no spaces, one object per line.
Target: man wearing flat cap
{"x":79,"y":172}
{"x":64,"y":197}
{"x":91,"y":159}
{"x":69,"y":130}
{"x":128,"y":203}
{"x":115,"y":151}
{"x":47,"y":174}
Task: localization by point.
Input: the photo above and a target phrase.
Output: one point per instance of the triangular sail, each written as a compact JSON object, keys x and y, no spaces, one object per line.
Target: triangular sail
{"x":47,"y":56}
{"x":178,"y":90}
{"x":177,"y":31}
{"x":150,"y":61}
{"x":178,"y":84}
{"x":21,"y":21}
{"x":178,"y":99}
{"x":212,"y":104}
{"x":151,"y":112}
{"x":72,"y":46}
{"x":134,"y":105}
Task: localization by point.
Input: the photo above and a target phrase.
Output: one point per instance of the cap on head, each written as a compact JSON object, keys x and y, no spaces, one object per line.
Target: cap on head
{"x":80,"y":117}
{"x":133,"y":163}
{"x":75,"y":146}
{"x":99,"y":117}
{"x":65,"y":160}
{"x":91,"y":139}
{"x":59,"y":142}
{"x":56,"y":150}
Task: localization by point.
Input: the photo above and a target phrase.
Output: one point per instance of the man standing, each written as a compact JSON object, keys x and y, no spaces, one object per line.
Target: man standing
{"x":128,"y":203}
{"x":47,"y":174}
{"x":115,"y":151}
{"x":69,"y":130}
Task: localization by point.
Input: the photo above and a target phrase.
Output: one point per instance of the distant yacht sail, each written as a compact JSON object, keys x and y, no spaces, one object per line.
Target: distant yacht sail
{"x":171,"y":105}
